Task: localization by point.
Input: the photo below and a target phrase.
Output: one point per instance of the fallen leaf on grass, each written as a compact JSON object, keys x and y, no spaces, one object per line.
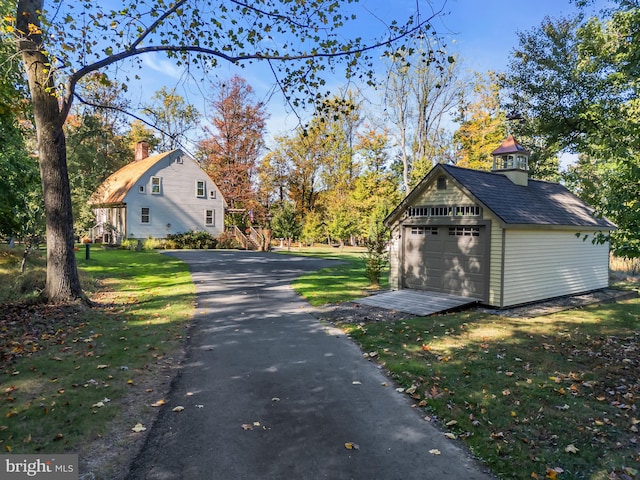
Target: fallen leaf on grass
{"x":351,"y":446}
{"x":159,"y":403}
{"x":98,"y":405}
{"x":571,"y":449}
{"x":552,"y":473}
{"x":177,"y":409}
{"x":138,"y":428}
{"x":451,"y":436}
{"x":411,"y":390}
{"x":100,"y":367}
{"x":435,"y":451}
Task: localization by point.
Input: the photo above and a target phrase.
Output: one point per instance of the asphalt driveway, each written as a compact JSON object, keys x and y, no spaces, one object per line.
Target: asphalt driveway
{"x":270,"y":392}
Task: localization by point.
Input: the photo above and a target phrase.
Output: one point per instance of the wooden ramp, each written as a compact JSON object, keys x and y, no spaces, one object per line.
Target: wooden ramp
{"x":416,"y":302}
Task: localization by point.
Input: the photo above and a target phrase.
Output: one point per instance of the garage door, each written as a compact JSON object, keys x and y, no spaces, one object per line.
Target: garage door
{"x":449,"y":259}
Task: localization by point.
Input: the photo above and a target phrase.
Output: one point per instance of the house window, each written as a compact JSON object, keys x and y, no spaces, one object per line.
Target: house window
{"x":467,"y":210}
{"x":212,"y":194}
{"x":441,"y":211}
{"x":442,"y":182}
{"x":179,"y":160}
{"x":141,"y":189}
{"x":444,"y":211}
{"x":145,"y":217}
{"x":424,"y":230}
{"x":464,"y":231}
{"x":155,"y":185}
{"x":209,"y":218}
{"x":418,"y":211}
{"x":200,"y":189}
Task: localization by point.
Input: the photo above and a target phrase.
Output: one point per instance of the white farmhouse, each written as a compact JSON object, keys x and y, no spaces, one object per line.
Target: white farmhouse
{"x":155,"y":196}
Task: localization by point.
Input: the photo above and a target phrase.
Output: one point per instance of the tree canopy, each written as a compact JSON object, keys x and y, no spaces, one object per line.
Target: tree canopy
{"x":576,"y":83}
{"x":61,"y":42}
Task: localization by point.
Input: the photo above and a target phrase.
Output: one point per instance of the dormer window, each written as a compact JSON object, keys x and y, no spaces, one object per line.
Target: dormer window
{"x":200,"y":189}
{"x":155,"y":185}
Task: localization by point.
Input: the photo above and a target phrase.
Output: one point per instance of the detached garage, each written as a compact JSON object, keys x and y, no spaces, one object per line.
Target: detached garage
{"x":496,"y":236}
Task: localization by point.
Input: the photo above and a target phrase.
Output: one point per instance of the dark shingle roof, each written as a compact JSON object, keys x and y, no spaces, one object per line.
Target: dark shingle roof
{"x":539,"y":203}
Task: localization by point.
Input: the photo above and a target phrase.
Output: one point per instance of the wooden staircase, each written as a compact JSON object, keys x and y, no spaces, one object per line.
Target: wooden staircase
{"x":253,"y":240}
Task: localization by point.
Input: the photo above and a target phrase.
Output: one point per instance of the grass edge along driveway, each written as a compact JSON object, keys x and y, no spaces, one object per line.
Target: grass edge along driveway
{"x":78,"y":380}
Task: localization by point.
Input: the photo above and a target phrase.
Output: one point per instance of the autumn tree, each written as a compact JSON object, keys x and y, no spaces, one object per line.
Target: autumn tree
{"x":139,"y":131}
{"x":482,"y":122}
{"x":234,"y":143}
{"x":299,"y":158}
{"x":172,"y":117}
{"x":377,"y":188}
{"x":58,"y":47}
{"x":336,"y":121}
{"x":422,"y":89}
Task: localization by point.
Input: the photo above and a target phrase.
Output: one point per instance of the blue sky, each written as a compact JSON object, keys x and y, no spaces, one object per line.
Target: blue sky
{"x":481,"y":32}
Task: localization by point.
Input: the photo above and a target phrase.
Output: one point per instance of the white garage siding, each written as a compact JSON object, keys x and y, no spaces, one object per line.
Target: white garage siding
{"x":547,"y":264}
{"x":494,"y":293}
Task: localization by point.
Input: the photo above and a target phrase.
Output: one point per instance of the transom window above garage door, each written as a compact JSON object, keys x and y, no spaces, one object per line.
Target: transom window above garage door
{"x":444,"y":211}
{"x":465,"y":231}
{"x":424,"y":230}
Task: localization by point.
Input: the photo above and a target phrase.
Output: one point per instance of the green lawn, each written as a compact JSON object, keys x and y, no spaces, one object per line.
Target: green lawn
{"x":72,"y":375}
{"x":335,"y":284}
{"x":548,"y":397}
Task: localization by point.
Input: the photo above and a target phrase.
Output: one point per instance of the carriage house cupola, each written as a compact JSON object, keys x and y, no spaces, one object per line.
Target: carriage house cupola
{"x":512,"y":160}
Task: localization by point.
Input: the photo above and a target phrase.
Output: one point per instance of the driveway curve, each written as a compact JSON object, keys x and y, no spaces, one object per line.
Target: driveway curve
{"x":270,"y":392}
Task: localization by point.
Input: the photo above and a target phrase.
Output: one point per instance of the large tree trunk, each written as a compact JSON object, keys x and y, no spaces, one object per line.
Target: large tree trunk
{"x":63,"y":283}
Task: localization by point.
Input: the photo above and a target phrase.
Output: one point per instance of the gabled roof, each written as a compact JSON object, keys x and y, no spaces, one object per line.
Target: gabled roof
{"x":117,"y":185}
{"x":538,"y":203}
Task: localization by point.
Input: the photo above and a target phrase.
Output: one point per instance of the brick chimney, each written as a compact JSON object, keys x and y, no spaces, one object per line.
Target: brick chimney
{"x":142,"y":150}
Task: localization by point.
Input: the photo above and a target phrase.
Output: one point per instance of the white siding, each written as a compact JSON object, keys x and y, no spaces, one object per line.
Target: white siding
{"x":177,"y":208}
{"x":494,"y":294}
{"x":544,"y":264}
